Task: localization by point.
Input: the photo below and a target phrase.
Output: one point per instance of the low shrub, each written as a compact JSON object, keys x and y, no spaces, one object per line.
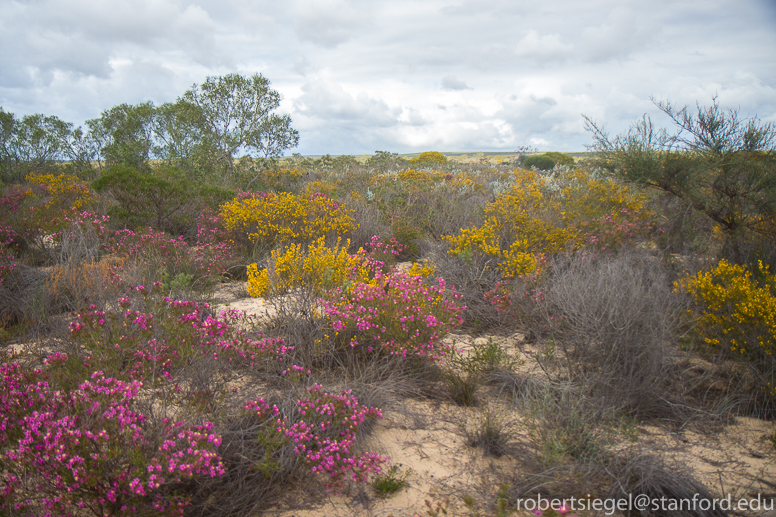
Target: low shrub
{"x":158,"y":338}
{"x":90,"y":448}
{"x":612,"y":322}
{"x":736,"y":315}
{"x":317,"y":268}
{"x":265,"y":220}
{"x":541,"y":162}
{"x":324,"y":436}
{"x":396,"y":314}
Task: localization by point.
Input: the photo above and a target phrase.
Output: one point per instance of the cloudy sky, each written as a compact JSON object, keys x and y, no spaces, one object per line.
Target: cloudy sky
{"x":358,"y":76}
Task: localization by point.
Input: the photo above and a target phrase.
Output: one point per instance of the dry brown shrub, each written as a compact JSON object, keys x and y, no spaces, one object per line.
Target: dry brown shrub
{"x":72,"y":285}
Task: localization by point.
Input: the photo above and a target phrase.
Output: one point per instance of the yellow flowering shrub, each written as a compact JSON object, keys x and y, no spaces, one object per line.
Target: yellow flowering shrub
{"x":420,"y":177}
{"x":268,"y":219}
{"x":545,"y":215}
{"x":317,"y":267}
{"x":735,"y":310}
{"x":328,"y":187}
{"x":430,"y":158}
{"x":65,"y":191}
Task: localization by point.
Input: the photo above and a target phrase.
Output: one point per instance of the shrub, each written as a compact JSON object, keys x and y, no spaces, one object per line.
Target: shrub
{"x":541,"y":162}
{"x":611,"y":321}
{"x":737,"y":314}
{"x":390,"y":482}
{"x":395,"y":314}
{"x":560,"y":158}
{"x":73,"y":285}
{"x":539,"y":217}
{"x":325,"y":434}
{"x":467,"y":372}
{"x":89,"y":448}
{"x":318,"y":269}
{"x":32,"y":220}
{"x":64,"y":192}
{"x":163,"y":337}
{"x":265,"y":220}
{"x":157,"y":254}
{"x":431,"y":158}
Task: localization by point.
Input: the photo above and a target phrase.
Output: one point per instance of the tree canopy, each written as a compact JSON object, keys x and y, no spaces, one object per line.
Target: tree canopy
{"x":719,"y":163}
{"x":201,"y":133}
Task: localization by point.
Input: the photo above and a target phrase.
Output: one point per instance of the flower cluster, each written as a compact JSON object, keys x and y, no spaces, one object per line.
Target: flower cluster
{"x":65,"y":191}
{"x":153,"y":343}
{"x":267,"y":219}
{"x":736,"y":312}
{"x":89,"y":448}
{"x":207,"y":260}
{"x":395,"y":313}
{"x":318,"y":268}
{"x":324,"y":434}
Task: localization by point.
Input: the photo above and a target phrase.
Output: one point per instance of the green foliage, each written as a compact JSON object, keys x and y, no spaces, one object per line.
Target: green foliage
{"x":560,"y":158}
{"x":125,"y":134}
{"x":466,"y":373}
{"x":385,"y":161}
{"x":541,"y":162}
{"x":149,"y":198}
{"x":36,"y":143}
{"x":390,"y":482}
{"x":234,"y":113}
{"x":720,"y":165}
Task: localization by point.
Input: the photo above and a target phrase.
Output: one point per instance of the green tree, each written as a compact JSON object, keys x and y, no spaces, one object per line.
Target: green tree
{"x":234,"y":115}
{"x":720,"y":164}
{"x":125,"y":135}
{"x":31,"y":143}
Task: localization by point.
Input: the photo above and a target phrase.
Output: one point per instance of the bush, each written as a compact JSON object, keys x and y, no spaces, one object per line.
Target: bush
{"x":90,"y":448}
{"x":165,"y":198}
{"x":736,"y":313}
{"x":266,"y":220}
{"x":325,"y":435}
{"x":159,"y":338}
{"x":611,"y":322}
{"x":395,"y":314}
{"x":430,"y":159}
{"x":541,"y":162}
{"x":560,"y":158}
{"x":317,"y":269}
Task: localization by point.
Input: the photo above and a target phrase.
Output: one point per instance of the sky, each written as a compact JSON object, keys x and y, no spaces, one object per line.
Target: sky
{"x":358,"y":76}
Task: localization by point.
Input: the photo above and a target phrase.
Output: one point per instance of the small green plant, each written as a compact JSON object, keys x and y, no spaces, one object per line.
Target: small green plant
{"x":390,"y":482}
{"x":491,"y":434}
{"x":502,"y":504}
{"x":541,"y":162}
{"x":468,"y":372}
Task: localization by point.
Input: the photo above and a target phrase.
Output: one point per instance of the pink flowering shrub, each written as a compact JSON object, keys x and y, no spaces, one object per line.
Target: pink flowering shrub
{"x":90,"y":448}
{"x":324,"y":434}
{"x":161,"y":336}
{"x":160,"y":254}
{"x":396,"y":314}
{"x":384,"y":254}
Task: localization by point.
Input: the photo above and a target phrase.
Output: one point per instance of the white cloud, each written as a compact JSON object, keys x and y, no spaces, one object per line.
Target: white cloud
{"x":399,"y":75}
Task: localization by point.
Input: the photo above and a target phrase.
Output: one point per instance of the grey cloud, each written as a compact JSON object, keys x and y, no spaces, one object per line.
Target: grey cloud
{"x":327,"y":101}
{"x":452,"y":84}
{"x":328,"y":23}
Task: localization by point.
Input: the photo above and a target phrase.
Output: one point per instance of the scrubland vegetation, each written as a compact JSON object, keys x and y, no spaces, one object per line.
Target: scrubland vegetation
{"x":128,"y":389}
